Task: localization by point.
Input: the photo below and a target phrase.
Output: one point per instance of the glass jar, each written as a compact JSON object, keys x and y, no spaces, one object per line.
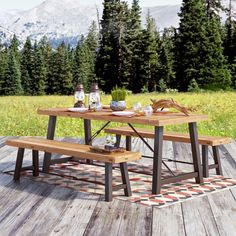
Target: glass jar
{"x":94,"y":97}
{"x":79,"y":96}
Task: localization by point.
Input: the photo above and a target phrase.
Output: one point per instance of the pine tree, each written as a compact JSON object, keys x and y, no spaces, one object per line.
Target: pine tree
{"x":27,"y":67}
{"x":12,"y":83}
{"x":39,"y":72}
{"x":60,"y":72}
{"x":199,"y":48}
{"x":230,"y":41}
{"x":166,"y":71}
{"x":133,"y":42}
{"x":46,"y":51}
{"x":150,"y":58}
{"x":3,"y":67}
{"x":218,"y":74}
{"x":110,"y":55}
{"x":14,"y":47}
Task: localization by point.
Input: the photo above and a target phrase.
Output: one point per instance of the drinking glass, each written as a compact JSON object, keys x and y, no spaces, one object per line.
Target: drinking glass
{"x":137,"y":107}
{"x":148,"y":110}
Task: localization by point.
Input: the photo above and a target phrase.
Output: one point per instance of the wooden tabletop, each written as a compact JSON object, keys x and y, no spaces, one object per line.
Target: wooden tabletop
{"x":157,"y":119}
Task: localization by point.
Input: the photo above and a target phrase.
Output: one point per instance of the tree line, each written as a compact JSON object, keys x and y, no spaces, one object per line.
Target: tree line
{"x":200,"y":54}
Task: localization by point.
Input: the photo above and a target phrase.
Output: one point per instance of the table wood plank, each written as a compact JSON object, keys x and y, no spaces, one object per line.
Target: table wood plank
{"x":157,"y":119}
{"x":168,"y":221}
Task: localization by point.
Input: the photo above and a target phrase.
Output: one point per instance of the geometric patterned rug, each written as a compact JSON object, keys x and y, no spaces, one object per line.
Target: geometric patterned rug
{"x":90,"y":179}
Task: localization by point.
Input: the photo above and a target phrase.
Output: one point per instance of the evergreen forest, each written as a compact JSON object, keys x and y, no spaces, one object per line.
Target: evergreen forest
{"x":199,"y":55}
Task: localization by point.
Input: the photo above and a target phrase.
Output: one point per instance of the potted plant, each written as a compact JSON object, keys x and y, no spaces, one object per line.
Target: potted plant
{"x":118,"y":99}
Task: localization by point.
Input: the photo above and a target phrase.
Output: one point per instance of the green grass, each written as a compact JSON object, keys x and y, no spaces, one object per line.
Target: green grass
{"x":19,"y":116}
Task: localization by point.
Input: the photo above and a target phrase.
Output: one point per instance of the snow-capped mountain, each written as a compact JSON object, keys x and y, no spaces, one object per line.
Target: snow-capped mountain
{"x":68,"y":19}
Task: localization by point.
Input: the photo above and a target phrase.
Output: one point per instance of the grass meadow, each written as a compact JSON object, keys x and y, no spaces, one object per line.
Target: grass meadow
{"x":18,"y":115}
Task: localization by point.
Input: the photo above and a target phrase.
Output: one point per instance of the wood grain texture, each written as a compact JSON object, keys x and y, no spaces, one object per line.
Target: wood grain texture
{"x":223,"y":206}
{"x":168,"y":221}
{"x":71,"y":149}
{"x":106,"y":218}
{"x":169,"y":136}
{"x":136,"y":220}
{"x":198,"y":217}
{"x":157,"y":119}
{"x":228,"y":163}
{"x":76,"y":216}
{"x":20,"y":205}
{"x":51,"y":208}
{"x":78,"y":213}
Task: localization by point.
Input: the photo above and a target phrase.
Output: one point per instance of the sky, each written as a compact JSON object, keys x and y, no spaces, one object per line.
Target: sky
{"x":27,"y":4}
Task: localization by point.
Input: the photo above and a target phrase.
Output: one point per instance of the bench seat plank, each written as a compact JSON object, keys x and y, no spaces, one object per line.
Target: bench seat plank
{"x":169,"y":136}
{"x":72,"y":149}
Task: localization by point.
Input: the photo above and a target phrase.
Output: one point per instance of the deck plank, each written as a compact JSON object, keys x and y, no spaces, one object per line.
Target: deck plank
{"x":223,"y":206}
{"x":136,"y":220}
{"x":168,"y":221}
{"x":198,"y":217}
{"x":51,"y":208}
{"x":106,"y":218}
{"x":29,"y":195}
{"x":77,"y":215}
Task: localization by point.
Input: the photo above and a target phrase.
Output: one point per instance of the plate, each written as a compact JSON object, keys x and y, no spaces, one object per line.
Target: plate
{"x":78,"y":109}
{"x":123,"y":113}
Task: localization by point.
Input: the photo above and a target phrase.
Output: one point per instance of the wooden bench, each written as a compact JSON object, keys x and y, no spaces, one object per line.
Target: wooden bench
{"x":78,"y":151}
{"x":205,"y":141}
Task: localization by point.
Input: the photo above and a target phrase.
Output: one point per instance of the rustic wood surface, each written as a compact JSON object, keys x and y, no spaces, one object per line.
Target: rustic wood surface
{"x":78,"y":151}
{"x":169,"y":136}
{"x":33,"y":208}
{"x":157,"y":119}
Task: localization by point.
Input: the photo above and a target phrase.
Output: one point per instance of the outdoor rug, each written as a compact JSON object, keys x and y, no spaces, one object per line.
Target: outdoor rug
{"x":90,"y":179}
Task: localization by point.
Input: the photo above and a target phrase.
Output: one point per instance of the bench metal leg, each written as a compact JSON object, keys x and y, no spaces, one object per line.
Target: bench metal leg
{"x":128,"y":143}
{"x":157,"y":160}
{"x":195,"y":151}
{"x":88,"y":135}
{"x":108,"y":182}
{"x":216,"y":156}
{"x":50,"y":135}
{"x":118,"y":139}
{"x":125,"y":179}
{"x":19,"y":160}
{"x":35,"y":157}
{"x":205,"y":161}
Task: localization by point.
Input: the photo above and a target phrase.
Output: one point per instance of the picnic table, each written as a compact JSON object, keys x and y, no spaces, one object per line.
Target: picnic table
{"x":157,"y":120}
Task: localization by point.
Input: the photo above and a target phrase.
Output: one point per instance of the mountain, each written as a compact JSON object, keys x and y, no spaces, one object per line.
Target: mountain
{"x":66,"y":20}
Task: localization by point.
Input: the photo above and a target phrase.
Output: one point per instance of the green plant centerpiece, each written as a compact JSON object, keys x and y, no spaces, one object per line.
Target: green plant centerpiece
{"x":118,"y":99}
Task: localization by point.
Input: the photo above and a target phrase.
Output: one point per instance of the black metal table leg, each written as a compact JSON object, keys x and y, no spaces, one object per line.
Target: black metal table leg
{"x":108,"y":182}
{"x":50,"y":135}
{"x":88,"y":135}
{"x":195,"y":151}
{"x":157,"y":160}
{"x":125,"y":179}
{"x":35,"y":155}
{"x":216,"y":156}
{"x":118,"y":139}
{"x":205,"y":161}
{"x":19,"y":160}
{"x":128,"y":143}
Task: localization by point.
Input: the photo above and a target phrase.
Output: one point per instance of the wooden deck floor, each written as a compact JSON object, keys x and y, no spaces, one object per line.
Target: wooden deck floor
{"x":29,"y":208}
